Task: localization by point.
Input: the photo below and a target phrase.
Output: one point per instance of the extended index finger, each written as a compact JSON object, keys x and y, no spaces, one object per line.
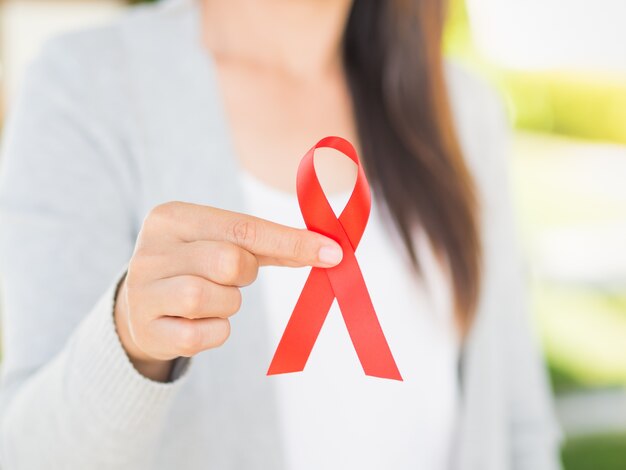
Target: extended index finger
{"x":273,"y":243}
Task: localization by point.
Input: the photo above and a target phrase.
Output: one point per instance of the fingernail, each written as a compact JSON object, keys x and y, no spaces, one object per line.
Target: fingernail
{"x":331,"y":255}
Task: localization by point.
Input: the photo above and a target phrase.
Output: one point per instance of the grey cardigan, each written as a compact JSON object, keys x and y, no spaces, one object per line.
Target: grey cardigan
{"x":113,"y":121}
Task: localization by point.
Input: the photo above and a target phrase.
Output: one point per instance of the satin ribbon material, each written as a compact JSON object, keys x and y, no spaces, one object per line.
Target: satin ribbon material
{"x":343,"y":282}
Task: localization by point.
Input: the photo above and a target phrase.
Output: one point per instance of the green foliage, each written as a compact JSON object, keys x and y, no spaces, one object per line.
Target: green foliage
{"x":581,"y":105}
{"x":584,"y":105}
{"x":562,"y":380}
{"x":603,"y":452}
{"x":566,"y":316}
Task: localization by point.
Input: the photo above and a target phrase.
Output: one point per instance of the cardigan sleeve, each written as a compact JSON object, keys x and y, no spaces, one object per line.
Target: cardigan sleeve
{"x":70,"y":397}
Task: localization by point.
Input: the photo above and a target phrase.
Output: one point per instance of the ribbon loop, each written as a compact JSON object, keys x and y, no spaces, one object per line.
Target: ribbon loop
{"x":344,"y":282}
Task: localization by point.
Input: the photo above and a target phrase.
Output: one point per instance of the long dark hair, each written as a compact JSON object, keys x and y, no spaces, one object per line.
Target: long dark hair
{"x":394,"y":64}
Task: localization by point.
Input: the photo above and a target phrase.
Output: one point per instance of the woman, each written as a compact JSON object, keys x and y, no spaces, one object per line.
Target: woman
{"x":213,"y":103}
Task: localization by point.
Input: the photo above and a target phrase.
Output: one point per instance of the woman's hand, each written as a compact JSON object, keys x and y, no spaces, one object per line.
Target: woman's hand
{"x":184,"y":277}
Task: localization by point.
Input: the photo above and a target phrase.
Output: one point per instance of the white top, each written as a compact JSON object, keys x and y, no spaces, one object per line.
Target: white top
{"x":332,"y":415}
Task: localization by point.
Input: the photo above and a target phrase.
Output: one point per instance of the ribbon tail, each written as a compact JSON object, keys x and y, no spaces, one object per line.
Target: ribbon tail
{"x":361,"y":320}
{"x":304,"y":326}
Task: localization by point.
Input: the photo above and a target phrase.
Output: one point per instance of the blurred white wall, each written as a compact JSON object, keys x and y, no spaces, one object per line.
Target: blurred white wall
{"x":25,"y":24}
{"x":549,"y":34}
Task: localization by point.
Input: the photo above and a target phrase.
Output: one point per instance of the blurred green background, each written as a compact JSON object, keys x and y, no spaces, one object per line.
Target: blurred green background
{"x":560,"y":67}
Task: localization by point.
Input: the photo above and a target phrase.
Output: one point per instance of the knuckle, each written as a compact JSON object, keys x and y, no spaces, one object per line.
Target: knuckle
{"x":141,"y":251}
{"x":248,"y":268}
{"x":135,"y":279}
{"x":296,"y":247}
{"x":237,"y":301}
{"x":189,"y":340}
{"x":161,"y":213}
{"x":254,"y":272}
{"x":193,"y":296}
{"x":131,"y":282}
{"x":148,"y":226}
{"x":244,"y":232}
{"x":141,"y":262}
{"x":220,"y":331}
{"x":229,"y":263}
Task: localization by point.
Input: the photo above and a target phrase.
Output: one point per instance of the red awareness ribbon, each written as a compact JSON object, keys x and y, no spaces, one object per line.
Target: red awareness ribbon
{"x":344,"y":281}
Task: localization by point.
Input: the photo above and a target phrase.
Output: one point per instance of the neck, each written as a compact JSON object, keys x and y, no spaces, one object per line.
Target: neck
{"x":300,"y":37}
